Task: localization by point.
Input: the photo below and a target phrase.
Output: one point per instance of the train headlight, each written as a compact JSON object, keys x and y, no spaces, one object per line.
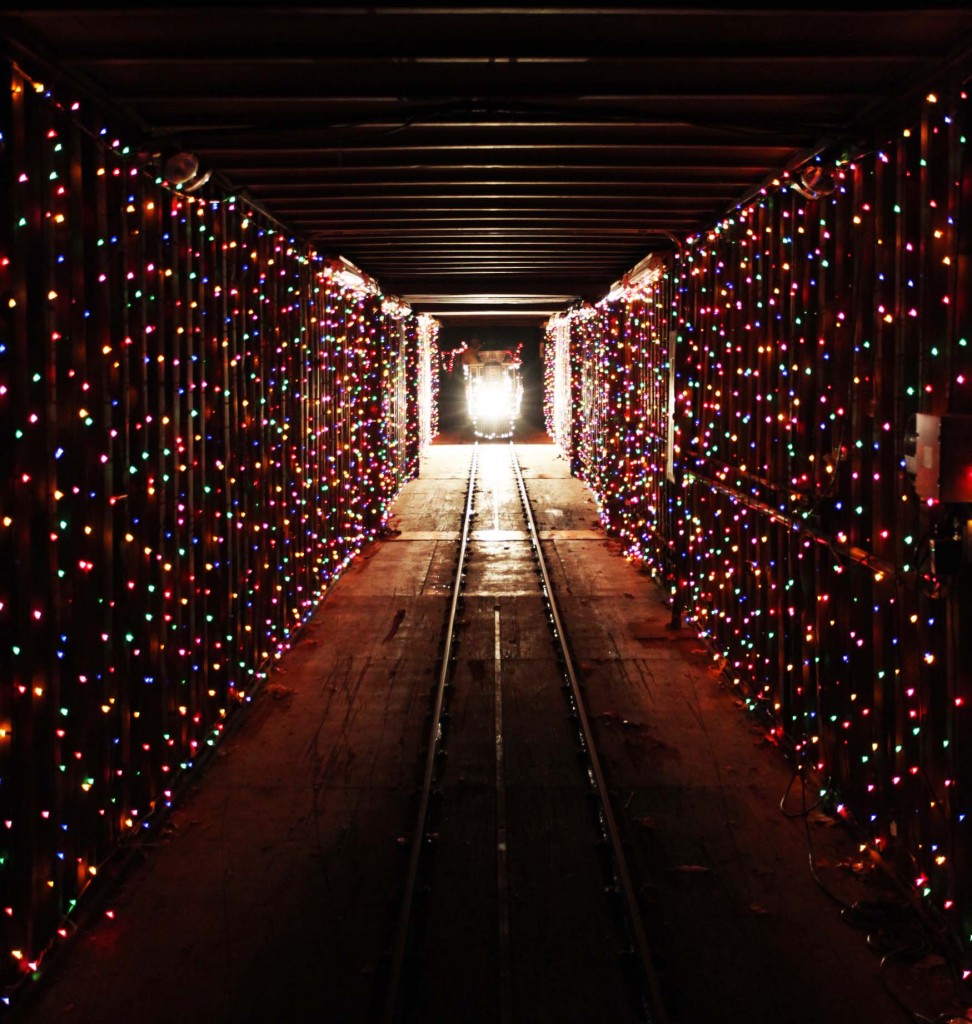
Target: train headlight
{"x":494,"y":400}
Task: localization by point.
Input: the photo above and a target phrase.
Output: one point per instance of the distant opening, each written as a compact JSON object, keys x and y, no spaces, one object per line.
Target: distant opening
{"x":454,"y":421}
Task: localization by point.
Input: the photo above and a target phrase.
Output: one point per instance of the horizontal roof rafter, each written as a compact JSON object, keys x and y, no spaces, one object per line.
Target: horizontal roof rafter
{"x":513,"y":155}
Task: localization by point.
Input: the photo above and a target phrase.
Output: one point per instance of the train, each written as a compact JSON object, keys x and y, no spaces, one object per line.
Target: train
{"x":494,"y":390}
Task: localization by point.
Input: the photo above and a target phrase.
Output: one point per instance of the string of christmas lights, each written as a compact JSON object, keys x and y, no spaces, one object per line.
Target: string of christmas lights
{"x":808,"y":327}
{"x":428,"y":379}
{"x":203,"y":424}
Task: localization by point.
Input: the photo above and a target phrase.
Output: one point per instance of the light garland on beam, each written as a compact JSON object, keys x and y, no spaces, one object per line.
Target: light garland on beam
{"x":206,"y":424}
{"x":808,"y":329}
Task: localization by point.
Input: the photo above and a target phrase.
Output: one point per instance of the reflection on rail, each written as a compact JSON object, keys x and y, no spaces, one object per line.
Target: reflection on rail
{"x":638,"y":969}
{"x":634,"y":925}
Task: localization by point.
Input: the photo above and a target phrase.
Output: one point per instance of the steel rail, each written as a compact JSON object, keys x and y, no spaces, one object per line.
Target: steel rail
{"x":654,"y":1006}
{"x":419,"y":834}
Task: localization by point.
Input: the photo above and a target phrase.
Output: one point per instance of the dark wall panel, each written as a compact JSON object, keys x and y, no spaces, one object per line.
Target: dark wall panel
{"x":805,"y":333}
{"x":202,"y":425}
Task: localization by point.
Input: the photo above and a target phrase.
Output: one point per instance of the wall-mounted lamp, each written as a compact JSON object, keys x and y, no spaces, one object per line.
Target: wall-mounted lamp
{"x":177,"y":168}
{"x":182,"y":170}
{"x":814,"y":182}
{"x":638,"y":279}
{"x":349,"y":276}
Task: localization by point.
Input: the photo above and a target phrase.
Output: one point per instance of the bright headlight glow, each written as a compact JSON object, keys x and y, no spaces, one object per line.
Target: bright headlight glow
{"x":494,"y":400}
{"x":493,"y":393}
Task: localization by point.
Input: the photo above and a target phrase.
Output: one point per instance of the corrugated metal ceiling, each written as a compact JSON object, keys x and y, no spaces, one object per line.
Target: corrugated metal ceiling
{"x":498,"y":161}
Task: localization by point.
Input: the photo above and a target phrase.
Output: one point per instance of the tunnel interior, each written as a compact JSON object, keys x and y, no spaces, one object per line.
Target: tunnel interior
{"x":239,"y":253}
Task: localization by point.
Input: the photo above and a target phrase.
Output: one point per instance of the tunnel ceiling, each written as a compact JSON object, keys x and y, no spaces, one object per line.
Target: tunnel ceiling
{"x":496,"y":162}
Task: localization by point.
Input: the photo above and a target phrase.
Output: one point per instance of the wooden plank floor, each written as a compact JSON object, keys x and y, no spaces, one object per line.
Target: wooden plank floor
{"x":271,"y":895}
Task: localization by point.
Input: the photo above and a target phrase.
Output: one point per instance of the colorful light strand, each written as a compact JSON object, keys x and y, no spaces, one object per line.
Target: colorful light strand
{"x":806,"y":332}
{"x":204,"y":422}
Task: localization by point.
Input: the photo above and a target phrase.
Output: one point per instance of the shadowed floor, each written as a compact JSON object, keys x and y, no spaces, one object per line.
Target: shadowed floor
{"x":271,"y":894}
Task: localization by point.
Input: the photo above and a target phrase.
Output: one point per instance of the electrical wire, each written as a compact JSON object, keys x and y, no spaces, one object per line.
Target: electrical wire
{"x":884,"y":921}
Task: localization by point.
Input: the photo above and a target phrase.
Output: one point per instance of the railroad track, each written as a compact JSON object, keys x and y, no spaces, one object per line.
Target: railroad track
{"x":583,"y":945}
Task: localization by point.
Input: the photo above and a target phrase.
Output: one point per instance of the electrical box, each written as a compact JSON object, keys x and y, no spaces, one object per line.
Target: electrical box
{"x":946,"y":546}
{"x":938,"y":457}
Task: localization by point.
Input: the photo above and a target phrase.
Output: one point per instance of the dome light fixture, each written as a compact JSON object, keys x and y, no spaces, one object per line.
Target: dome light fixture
{"x":815,"y":181}
{"x":181,"y":169}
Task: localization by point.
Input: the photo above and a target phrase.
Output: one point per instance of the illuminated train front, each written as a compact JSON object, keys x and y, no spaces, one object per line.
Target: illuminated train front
{"x":494,"y":391}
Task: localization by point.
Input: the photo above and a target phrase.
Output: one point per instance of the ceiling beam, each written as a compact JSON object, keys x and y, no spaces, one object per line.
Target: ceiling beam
{"x":807,"y":106}
{"x":553,"y":178}
{"x":586,"y":159}
{"x":472,"y":221}
{"x":580,"y":153}
{"x":559,"y":206}
{"x":648,"y":54}
{"x":394,"y":193}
